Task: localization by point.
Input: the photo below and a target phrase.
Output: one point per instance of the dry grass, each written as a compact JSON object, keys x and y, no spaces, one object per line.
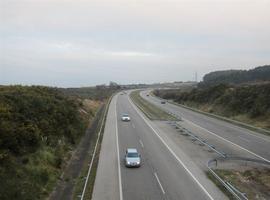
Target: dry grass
{"x":91,"y":105}
{"x":255,"y":183}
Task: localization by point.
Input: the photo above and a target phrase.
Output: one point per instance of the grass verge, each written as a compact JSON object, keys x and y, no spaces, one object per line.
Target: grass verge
{"x":150,"y":110}
{"x":81,"y":179}
{"x":232,"y":121}
{"x":255,"y":182}
{"x":219,"y":185}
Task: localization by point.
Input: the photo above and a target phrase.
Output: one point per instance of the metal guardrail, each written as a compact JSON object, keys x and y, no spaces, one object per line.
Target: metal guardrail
{"x":200,"y":140}
{"x":95,"y":149}
{"x":232,"y":189}
{"x":235,"y":193}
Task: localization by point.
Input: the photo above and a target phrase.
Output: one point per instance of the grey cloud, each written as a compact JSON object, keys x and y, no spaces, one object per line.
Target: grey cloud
{"x":75,"y":43}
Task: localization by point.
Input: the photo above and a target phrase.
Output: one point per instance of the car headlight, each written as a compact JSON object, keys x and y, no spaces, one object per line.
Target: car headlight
{"x":138,"y":163}
{"x":128,"y":163}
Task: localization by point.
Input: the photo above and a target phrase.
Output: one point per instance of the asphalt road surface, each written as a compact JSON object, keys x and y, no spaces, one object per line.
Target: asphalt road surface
{"x":165,"y":172}
{"x":251,"y":142}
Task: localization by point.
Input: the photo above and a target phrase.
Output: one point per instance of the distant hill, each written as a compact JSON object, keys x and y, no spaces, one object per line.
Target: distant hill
{"x":258,"y":74}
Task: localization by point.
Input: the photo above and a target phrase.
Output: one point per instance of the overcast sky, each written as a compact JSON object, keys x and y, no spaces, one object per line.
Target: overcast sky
{"x":71,"y":43}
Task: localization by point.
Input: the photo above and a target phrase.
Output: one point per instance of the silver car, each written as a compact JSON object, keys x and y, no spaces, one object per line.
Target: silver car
{"x":132,"y":158}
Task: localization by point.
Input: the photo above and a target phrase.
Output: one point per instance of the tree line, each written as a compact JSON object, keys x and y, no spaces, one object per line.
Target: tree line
{"x":258,"y":74}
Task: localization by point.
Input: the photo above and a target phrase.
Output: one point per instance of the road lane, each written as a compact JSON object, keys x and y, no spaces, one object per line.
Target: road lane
{"x":107,"y":182}
{"x":174,"y":179}
{"x":161,"y":176}
{"x":258,"y":144}
{"x":138,"y":183}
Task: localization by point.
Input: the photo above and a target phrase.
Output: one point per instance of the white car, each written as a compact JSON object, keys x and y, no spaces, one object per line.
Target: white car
{"x":125,"y":118}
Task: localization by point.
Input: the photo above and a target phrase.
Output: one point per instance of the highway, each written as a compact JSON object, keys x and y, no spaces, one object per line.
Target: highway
{"x":250,"y":142}
{"x":166,"y":171}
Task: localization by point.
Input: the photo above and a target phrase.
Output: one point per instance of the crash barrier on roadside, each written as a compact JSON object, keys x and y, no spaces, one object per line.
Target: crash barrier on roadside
{"x":103,"y":113}
{"x":194,"y":137}
{"x":223,"y":157}
{"x":232,"y":189}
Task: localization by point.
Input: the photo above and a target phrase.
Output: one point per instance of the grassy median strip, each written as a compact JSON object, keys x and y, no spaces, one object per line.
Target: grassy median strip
{"x":150,"y":110}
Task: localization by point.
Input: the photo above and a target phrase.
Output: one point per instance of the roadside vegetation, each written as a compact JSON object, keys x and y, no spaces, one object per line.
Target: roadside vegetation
{"x":249,"y":104}
{"x":39,"y":129}
{"x":255,"y":183}
{"x":80,"y":181}
{"x":150,"y":110}
{"x":241,"y":95}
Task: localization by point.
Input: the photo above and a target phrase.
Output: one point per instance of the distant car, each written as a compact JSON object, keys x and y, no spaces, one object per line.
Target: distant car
{"x":163,"y":102}
{"x":132,"y":158}
{"x":147,"y":95}
{"x":125,"y":118}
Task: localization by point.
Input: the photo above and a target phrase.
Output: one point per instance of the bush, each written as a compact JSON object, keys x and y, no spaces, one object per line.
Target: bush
{"x":251,"y":100}
{"x":37,"y":124}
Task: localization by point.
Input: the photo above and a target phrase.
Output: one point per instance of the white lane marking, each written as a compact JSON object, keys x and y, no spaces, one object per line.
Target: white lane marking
{"x":159,"y":183}
{"x":183,"y":107}
{"x":118,"y":155}
{"x":242,"y":138}
{"x":233,"y":125}
{"x":133,"y":125}
{"x":141,"y":143}
{"x":227,"y":140}
{"x":94,"y":153}
{"x":172,"y":152}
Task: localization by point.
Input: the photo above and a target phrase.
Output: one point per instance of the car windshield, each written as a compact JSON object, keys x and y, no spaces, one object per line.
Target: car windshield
{"x":132,"y":155}
{"x":125,"y":115}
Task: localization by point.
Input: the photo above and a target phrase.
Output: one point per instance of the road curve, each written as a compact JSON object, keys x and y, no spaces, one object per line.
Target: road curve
{"x":163,"y":174}
{"x":253,"y":143}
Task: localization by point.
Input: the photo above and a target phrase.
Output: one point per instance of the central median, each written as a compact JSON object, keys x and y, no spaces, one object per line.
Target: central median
{"x":149,"y":109}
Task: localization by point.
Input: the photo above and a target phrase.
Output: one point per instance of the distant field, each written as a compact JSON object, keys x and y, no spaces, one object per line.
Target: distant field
{"x":94,"y":93}
{"x":150,"y":110}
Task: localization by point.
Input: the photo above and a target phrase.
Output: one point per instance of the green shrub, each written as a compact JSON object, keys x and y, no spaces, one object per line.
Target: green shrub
{"x":37,"y":127}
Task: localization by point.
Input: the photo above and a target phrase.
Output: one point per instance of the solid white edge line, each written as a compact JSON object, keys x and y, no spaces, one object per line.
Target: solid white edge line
{"x":160,"y":185}
{"x":94,"y":153}
{"x":118,"y":155}
{"x":227,"y":141}
{"x":176,"y":157}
